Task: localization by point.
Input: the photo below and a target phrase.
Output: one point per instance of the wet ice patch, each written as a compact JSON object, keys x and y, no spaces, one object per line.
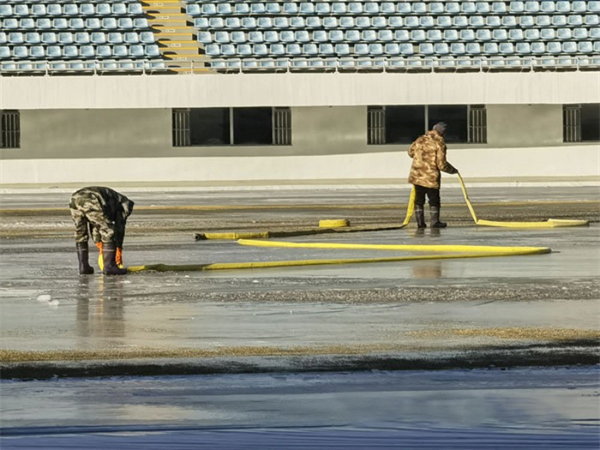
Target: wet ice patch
{"x":43,"y":298}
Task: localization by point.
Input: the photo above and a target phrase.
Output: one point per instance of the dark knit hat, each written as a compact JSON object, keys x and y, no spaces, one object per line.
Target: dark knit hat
{"x":440,"y":127}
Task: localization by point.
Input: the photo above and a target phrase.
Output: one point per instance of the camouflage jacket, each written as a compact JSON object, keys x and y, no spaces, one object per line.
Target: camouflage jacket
{"x":429,"y":158}
{"x":116,"y":206}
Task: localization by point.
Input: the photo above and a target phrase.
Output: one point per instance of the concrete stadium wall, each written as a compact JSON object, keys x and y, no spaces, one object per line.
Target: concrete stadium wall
{"x":297,"y":89}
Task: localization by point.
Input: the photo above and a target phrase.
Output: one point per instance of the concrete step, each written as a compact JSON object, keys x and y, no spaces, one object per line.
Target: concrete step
{"x":185,"y":58}
{"x":182,"y":51}
{"x":179,"y":44}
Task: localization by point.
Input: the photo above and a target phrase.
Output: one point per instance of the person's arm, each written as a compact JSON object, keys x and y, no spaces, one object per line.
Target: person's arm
{"x":412,"y":149}
{"x":442,"y":163}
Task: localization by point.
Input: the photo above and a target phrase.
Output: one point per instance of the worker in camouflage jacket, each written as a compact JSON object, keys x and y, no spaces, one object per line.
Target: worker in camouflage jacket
{"x":428,"y":153}
{"x":103,"y":212}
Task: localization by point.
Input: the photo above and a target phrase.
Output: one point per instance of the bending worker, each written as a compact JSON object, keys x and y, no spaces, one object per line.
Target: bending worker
{"x":429,"y":158}
{"x":105,"y":212}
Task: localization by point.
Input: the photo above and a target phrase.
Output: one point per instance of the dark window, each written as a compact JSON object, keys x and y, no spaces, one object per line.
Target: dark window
{"x":455,"y":116}
{"x":10,"y":129}
{"x":581,"y":123}
{"x":477,"y":124}
{"x":253,"y":126}
{"x":590,"y":122}
{"x":375,"y":125}
{"x":403,"y":124}
{"x":282,"y":126}
{"x":209,"y":126}
{"x":181,"y":128}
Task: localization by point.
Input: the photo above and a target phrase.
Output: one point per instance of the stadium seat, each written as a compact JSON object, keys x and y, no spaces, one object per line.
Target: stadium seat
{"x":538,"y":48}
{"x":444,"y":22}
{"x":395,"y":22}
{"x":336,"y":36}
{"x":506,"y":48}
{"x":140,"y":23}
{"x":210,"y":49}
{"x":553,"y":47}
{"x":499,"y":7}
{"x":597,"y":47}
{"x":385,"y":35}
{"x":108,"y":23}
{"x":256,"y":37}
{"x":338,"y":8}
{"x":36,"y":10}
{"x":467,"y":35}
{"x":355,"y":8}
{"x":37,"y":51}
{"x":532,"y":34}
{"x":342,"y":49}
{"x":6,"y":10}
{"x":34,"y":37}
{"x":585,"y":47}
{"x":592,"y":19}
{"x":441,"y":48}
{"x":493,"y":21}
{"x":489,"y":48}
{"x":411,"y":22}
{"x":12,"y":24}
{"x":50,"y":38}
{"x":543,"y":20}
{"x":313,"y":22}
{"x":526,"y":21}
{"x":103,"y":9}
{"x":516,"y":7}
{"x":369,"y":35}
{"x":3,"y":37}
{"x":16,"y":38}
{"x":102,"y":51}
{"x":426,"y":22}
{"x":392,"y":49}
{"x":135,"y":9}
{"x":460,"y":22}
{"x":21,"y":10}
{"x":561,"y":33}
{"x":381,"y":22}
{"x":118,"y":9}
{"x":119,"y":51}
{"x":582,"y":33}
{"x":523,"y":48}
{"x":4,"y":52}
{"x":468,"y":7}
{"x":594,"y":33}
{"x":298,"y":22}
{"x":76,"y":23}
{"x":28,"y":23}
{"x":579,"y":6}
{"x":217,"y":22}
{"x":499,"y":34}
{"x":362,"y":22}
{"x":67,"y":38}
{"x":230,"y":50}
{"x":239,"y":37}
{"x":419,"y":7}
{"x":352,"y":35}
{"x":208,"y":9}
{"x":290,"y":8}
{"x":418,"y":35}
{"x":450,"y":35}
{"x":233,"y":23}
{"x":434,"y":35}
{"x":86,"y":52}
{"x":326,"y":49}
{"x":277,"y":49}
{"x":376,"y":49}
{"x":262,"y":49}
{"x":201,"y":23}
{"x":532,"y":6}
{"x":304,"y":36}
{"x":386,"y":8}
{"x":401,"y":35}
{"x":403,"y":8}
{"x":509,"y":21}
{"x":569,"y":47}
{"x":20,"y":52}
{"x":287,"y":36}
{"x":474,"y":48}
{"x":515,"y":34}
{"x":318,"y":35}
{"x":221,"y":37}
{"x":452,"y":8}
{"x":483,"y":35}
{"x":307,"y":8}
{"x":311,"y":49}
{"x":321,"y":8}
{"x":224,"y":9}
{"x":241,"y":8}
{"x":132,"y":38}
{"x":482,"y":8}
{"x":406,"y":49}
{"x":346,"y":22}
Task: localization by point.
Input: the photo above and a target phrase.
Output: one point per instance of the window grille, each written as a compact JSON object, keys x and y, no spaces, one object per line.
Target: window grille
{"x":282,"y":126}
{"x":181,"y":128}
{"x":10,"y":129}
{"x":477,"y":124}
{"x":376,"y":125}
{"x":572,"y":123}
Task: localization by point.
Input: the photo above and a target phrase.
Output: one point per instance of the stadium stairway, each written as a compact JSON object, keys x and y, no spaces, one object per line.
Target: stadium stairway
{"x":176,"y":37}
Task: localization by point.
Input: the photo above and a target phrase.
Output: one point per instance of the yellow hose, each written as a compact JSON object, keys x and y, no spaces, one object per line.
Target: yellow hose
{"x":550,"y":223}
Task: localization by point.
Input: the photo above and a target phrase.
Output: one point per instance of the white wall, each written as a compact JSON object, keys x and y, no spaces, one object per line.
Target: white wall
{"x":296,"y":89}
{"x":508,"y":164}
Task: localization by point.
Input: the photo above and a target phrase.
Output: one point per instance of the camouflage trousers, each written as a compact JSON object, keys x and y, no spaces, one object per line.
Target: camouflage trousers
{"x":89,"y":217}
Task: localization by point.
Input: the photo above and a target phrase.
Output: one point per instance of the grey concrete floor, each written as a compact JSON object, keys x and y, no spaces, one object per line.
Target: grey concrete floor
{"x":490,"y":311}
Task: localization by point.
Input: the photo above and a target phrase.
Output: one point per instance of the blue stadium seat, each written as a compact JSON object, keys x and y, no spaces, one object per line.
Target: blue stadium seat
{"x":224,"y":9}
{"x":53,"y":51}
{"x":452,"y":7}
{"x":277,"y":49}
{"x":441,"y":48}
{"x":355,"y":8}
{"x":311,"y":49}
{"x":346,"y":22}
{"x":342,"y":49}
{"x":532,"y":34}
{"x":33,"y":37}
{"x":103,"y":9}
{"x":380,"y":22}
{"x":21,"y":10}
{"x":418,"y":35}
{"x":338,"y":8}
{"x":548,"y":6}
{"x":593,"y":6}
{"x":579,"y":6}
{"x":419,"y":7}
{"x":135,"y":9}
{"x":569,"y":47}
{"x":483,"y":35}
{"x":387,"y":8}
{"x":499,"y":7}
{"x":336,"y":35}
{"x":538,"y":48}
{"x":468,"y":7}
{"x":482,"y":7}
{"x":201,"y":23}
{"x":262,"y":49}
{"x":526,"y":21}
{"x":4,"y":52}
{"x":28,"y":23}
{"x":376,"y":49}
{"x":582,"y":33}
{"x":6,"y":10}
{"x":230,"y":50}
{"x":108,"y":23}
{"x":16,"y":38}
{"x":67,"y":38}
{"x":352,"y":35}
{"x":256,"y":37}
{"x":499,"y":34}
{"x":564,"y":33}
{"x":523,"y":48}
{"x":506,"y":48}
{"x":575,"y":20}
{"x":401,"y":35}
{"x":493,"y":21}
{"x":450,"y":35}
{"x":321,"y":8}
{"x":36,"y":10}
{"x":232,"y":23}
{"x":218,"y":22}
{"x":444,"y":22}
{"x":585,"y":47}
{"x":516,"y":7}
{"x":460,"y":22}
{"x":147,"y":37}
{"x":209,"y":9}
{"x":50,"y":38}
{"x":102,"y":51}
{"x":304,"y":36}
{"x":515,"y":34}
{"x":326,"y":49}
{"x":264,"y":22}
{"x":37,"y":51}
{"x":298,"y":22}
{"x":290,"y":8}
{"x":426,"y":22}
{"x":257,"y":8}
{"x":489,"y":48}
{"x":313,"y":22}
{"x":473,"y":48}
{"x":592,"y":19}
{"x":76,"y":23}
{"x":140,"y":23}
{"x":597,"y":47}
{"x":406,"y":49}
{"x":249,"y":64}
{"x":385,"y":35}
{"x":467,"y":35}
{"x":210,"y":49}
{"x":86,"y":52}
{"x":543,"y":20}
{"x":129,"y":38}
{"x":20,"y":52}
{"x":120,"y":51}
{"x":395,"y":22}
{"x":369,"y":35}
{"x":559,"y":20}
{"x":509,"y":21}
{"x":118,"y":9}
{"x":392,"y":49}
{"x":436,"y":8}
{"x":241,"y":8}
{"x":403,"y":8}
{"x":318,"y":36}
{"x":594,"y":33}
{"x":222,"y":37}
{"x":307,"y":8}
{"x":532,"y":6}
{"x":434,"y":35}
{"x":287,"y":36}
{"x":239,"y":37}
{"x":12,"y":24}
{"x":362,"y":22}
{"x":553,"y":47}
{"x":411,"y":22}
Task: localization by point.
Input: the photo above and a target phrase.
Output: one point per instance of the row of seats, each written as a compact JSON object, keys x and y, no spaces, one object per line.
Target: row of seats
{"x":94,"y":23}
{"x":79,"y":51}
{"x":304,"y":36}
{"x":83,"y":37}
{"x":313,"y":22}
{"x":72,"y":9}
{"x":402,"y":62}
{"x":311,"y":49}
{"x":144,"y":65}
{"x":357,"y":7}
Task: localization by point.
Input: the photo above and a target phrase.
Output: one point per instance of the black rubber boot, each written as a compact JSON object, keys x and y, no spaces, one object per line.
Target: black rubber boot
{"x":109,"y":251}
{"x":435,"y":218}
{"x":83,"y":255}
{"x":420,"y":216}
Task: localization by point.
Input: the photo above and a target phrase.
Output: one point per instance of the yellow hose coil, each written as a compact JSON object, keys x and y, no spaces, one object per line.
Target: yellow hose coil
{"x":333,"y":223}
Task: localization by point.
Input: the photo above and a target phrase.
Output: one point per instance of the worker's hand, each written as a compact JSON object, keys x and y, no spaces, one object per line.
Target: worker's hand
{"x":455,"y":171}
{"x":119,"y":257}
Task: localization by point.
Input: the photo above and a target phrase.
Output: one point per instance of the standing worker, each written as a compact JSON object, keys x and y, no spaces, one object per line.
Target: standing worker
{"x":429,"y":158}
{"x":105,"y":212}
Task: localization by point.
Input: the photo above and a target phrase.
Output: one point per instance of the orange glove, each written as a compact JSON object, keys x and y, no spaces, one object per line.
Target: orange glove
{"x":119,"y":257}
